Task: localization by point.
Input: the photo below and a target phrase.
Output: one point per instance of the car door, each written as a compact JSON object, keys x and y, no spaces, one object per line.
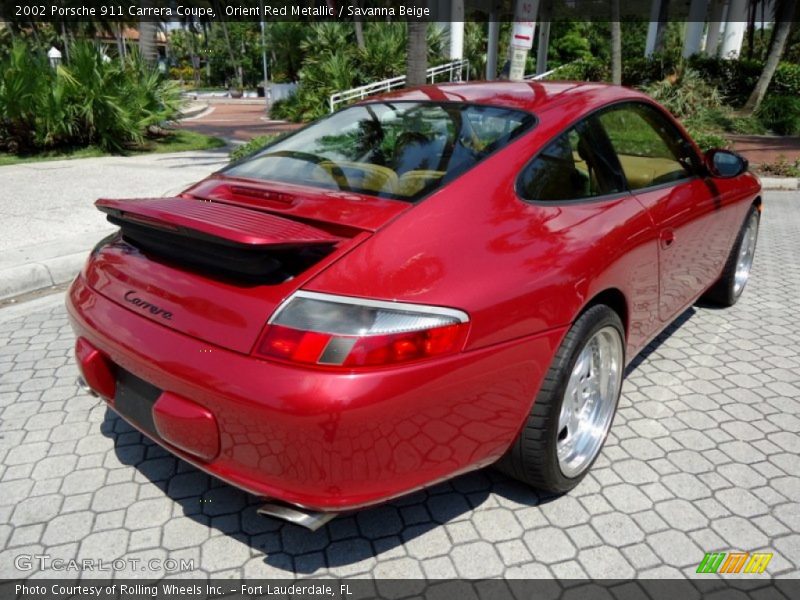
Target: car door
{"x":663,"y":171}
{"x":590,"y":226}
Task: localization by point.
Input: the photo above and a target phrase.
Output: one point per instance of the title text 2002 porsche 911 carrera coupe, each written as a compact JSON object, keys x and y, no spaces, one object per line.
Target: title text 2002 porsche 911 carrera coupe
{"x":423,"y":284}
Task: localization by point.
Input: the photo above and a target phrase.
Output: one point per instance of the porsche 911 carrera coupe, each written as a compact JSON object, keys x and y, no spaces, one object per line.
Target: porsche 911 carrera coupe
{"x":419,"y":285}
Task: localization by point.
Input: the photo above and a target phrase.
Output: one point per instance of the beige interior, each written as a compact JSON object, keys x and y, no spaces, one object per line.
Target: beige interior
{"x":364,"y":176}
{"x":412,"y":182}
{"x":644,"y":171}
{"x":377,"y":178}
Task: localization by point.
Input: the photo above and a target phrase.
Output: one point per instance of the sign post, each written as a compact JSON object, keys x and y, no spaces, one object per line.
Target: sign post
{"x":521,"y":37}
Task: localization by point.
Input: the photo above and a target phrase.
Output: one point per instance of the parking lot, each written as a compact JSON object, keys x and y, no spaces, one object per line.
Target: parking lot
{"x":703,"y":457}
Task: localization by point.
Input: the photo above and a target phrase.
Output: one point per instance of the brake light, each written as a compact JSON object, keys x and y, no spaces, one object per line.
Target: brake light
{"x":337,"y":331}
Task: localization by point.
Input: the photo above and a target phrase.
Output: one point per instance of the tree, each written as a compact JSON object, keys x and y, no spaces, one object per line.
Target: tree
{"x":358,"y":24}
{"x":663,"y":19}
{"x":417,"y":53}
{"x":616,"y":44}
{"x":234,"y":63}
{"x":147,"y":40}
{"x":784,"y":14}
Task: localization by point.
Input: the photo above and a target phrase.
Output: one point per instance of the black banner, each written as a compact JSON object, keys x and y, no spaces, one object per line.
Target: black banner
{"x":395,"y":589}
{"x":111,"y":11}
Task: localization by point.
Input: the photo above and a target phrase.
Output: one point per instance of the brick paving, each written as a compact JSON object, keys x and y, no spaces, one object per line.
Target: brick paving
{"x":703,"y":457}
{"x":760,"y":149}
{"x":237,"y":122}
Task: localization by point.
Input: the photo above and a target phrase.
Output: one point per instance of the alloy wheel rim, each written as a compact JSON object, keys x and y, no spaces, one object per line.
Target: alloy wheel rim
{"x":589,"y":401}
{"x":744,"y":261}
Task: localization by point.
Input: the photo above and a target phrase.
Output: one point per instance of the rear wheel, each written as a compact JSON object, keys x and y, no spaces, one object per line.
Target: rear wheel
{"x":727,"y":290}
{"x":574,"y":409}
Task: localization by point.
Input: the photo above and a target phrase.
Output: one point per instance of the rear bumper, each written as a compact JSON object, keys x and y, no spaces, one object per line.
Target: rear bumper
{"x":321,"y":439}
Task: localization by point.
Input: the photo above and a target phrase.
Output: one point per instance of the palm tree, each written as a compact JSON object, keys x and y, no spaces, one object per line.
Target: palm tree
{"x":147,"y":40}
{"x":358,"y":24}
{"x":234,"y":62}
{"x":784,"y":15}
{"x":147,"y":37}
{"x":616,"y":44}
{"x":417,"y":53}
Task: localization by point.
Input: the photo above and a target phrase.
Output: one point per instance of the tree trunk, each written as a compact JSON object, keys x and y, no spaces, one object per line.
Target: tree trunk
{"x":751,"y":28}
{"x":661,"y":31}
{"x":359,"y":26}
{"x":147,"y":40}
{"x":616,"y":44}
{"x":784,"y":13}
{"x":417,"y":53}
{"x":235,"y":64}
{"x":119,"y":35}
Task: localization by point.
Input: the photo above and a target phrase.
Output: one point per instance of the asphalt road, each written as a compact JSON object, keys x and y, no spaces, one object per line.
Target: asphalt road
{"x":703,"y":457}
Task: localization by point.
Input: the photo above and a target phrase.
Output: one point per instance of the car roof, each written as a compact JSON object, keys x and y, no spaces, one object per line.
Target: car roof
{"x":533,"y":96}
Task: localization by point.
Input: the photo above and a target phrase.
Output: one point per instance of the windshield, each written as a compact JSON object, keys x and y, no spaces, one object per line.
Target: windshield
{"x":400,"y":150}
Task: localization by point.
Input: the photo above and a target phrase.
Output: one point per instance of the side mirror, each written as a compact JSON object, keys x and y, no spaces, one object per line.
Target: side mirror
{"x":724,"y":163}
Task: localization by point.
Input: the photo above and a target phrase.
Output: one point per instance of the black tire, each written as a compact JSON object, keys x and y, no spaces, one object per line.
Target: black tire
{"x":532,"y":457}
{"x":725,"y":292}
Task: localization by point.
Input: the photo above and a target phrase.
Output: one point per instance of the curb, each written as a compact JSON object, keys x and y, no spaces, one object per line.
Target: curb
{"x":780,"y":183}
{"x":192,"y":110}
{"x":31,"y":277}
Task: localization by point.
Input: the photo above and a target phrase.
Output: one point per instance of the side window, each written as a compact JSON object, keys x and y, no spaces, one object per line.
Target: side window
{"x":571,"y":167}
{"x":650,"y":149}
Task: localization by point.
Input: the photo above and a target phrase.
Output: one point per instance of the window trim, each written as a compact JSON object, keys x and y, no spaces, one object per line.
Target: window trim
{"x":615,"y":195}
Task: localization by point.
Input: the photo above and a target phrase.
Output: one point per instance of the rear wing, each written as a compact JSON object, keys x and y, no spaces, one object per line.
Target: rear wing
{"x":213,"y":221}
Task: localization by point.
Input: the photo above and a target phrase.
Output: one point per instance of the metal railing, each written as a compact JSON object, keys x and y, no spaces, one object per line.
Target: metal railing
{"x":546,"y":73}
{"x":454,"y":70}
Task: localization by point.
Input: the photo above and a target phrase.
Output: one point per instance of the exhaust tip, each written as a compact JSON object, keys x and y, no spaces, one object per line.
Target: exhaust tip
{"x":309,"y":519}
{"x":85,"y":387}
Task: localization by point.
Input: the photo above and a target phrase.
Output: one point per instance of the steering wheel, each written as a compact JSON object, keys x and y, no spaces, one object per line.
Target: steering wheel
{"x":336,"y":173}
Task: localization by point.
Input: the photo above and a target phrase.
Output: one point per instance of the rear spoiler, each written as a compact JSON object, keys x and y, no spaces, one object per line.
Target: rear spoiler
{"x":214,"y":221}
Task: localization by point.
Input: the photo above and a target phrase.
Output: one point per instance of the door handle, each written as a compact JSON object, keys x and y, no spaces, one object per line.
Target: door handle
{"x":667,"y":237}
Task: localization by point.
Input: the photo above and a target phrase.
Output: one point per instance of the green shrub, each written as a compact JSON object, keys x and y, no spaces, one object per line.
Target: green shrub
{"x":786,"y":79}
{"x":279,"y":109}
{"x":183,"y":72}
{"x":686,"y":94}
{"x":781,"y":114}
{"x":89,"y":100}
{"x":642,"y":71}
{"x":29,"y":93}
{"x":254,"y":145}
{"x":781,"y":167}
{"x":734,"y":79}
{"x":707,"y":140}
{"x":585,"y":69}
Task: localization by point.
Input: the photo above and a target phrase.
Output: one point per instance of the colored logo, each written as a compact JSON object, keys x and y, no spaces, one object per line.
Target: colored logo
{"x":734,"y":562}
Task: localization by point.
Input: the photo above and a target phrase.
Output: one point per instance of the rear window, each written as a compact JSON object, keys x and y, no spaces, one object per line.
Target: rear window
{"x":398,"y":150}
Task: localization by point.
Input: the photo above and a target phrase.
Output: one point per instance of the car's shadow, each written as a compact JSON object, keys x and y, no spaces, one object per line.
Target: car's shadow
{"x":349,"y":538}
{"x":654,"y":344}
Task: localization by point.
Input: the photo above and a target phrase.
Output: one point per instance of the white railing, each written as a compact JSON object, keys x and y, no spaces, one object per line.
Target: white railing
{"x":453,"y":69}
{"x":546,"y":73}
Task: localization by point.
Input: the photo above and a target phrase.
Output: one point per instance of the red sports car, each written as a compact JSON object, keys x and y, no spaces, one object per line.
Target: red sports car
{"x":423,"y":284}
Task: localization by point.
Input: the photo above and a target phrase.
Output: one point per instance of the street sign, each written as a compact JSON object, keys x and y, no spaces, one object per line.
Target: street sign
{"x":522,"y":34}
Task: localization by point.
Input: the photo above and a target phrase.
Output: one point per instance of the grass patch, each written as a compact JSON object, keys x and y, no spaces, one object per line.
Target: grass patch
{"x":178,"y":140}
{"x":181,"y":140}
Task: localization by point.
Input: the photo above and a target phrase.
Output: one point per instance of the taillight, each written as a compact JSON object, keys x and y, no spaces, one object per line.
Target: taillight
{"x":339,"y":331}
